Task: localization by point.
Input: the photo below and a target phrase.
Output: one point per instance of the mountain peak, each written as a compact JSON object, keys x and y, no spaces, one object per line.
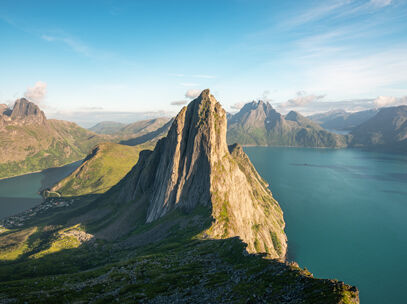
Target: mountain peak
{"x":196,"y":140}
{"x":27,"y":111}
{"x":193,"y":169}
{"x":293,"y":116}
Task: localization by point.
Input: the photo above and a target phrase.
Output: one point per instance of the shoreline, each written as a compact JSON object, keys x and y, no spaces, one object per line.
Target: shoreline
{"x":38,"y":171}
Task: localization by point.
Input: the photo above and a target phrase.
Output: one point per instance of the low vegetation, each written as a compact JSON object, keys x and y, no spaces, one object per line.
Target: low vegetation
{"x":103,"y":168}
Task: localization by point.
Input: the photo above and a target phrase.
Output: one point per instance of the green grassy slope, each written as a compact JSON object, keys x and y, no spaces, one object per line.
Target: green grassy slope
{"x":29,"y":148}
{"x":55,"y":266}
{"x":104,"y":167}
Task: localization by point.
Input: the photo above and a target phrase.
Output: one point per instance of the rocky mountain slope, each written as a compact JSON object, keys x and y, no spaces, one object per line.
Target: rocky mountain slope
{"x":107,"y":127}
{"x":137,"y":128}
{"x":387,"y":130}
{"x":30,"y":142}
{"x":103,"y":168}
{"x":257,"y":123}
{"x":190,"y":211}
{"x":342,"y":120}
{"x":187,"y":170}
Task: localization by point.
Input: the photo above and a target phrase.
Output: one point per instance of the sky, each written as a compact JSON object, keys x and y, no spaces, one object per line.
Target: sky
{"x":110,"y":56}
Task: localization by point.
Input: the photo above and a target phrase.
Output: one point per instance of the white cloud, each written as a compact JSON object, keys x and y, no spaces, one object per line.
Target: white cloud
{"x":380,"y":3}
{"x":387,"y":101}
{"x":74,"y":44}
{"x":189,"y":84}
{"x":378,"y":73}
{"x":179,"y":102}
{"x":266,"y":96}
{"x":237,"y":106}
{"x":301,"y":100}
{"x":37,"y":93}
{"x":193,"y":93}
{"x":316,"y":13}
{"x":203,"y":76}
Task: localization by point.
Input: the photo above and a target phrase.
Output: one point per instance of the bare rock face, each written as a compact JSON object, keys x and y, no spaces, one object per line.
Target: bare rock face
{"x":195,"y":142}
{"x":193,"y":166}
{"x":24,"y":112}
{"x":3,"y":108}
{"x":27,"y":112}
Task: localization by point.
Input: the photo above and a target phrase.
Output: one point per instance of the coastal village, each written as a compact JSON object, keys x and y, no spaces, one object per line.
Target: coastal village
{"x":48,"y":204}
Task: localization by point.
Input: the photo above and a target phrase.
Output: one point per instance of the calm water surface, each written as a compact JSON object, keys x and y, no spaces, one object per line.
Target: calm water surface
{"x":22,"y":192}
{"x":345,"y":213}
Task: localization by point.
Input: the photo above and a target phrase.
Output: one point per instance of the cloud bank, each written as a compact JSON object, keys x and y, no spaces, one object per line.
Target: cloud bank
{"x":179,"y":102}
{"x":37,"y":93}
{"x":237,"y":106}
{"x":301,"y":100}
{"x":388,"y":101}
{"x":193,"y":93}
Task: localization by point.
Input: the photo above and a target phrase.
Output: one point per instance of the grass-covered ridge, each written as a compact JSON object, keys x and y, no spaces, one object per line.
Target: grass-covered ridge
{"x":216,"y":270}
{"x":30,"y":148}
{"x":104,"y":167}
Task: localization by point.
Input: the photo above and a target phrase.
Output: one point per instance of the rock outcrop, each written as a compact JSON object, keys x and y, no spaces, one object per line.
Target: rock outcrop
{"x":193,"y":167}
{"x":27,"y":112}
{"x":23,"y":112}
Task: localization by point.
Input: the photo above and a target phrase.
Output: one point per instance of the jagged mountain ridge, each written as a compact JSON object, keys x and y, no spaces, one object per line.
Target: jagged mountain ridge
{"x":341,"y":119}
{"x":193,"y":167}
{"x":257,"y":123}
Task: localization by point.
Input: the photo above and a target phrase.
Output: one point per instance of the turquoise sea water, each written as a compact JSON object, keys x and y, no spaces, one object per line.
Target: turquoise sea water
{"x":345,"y":214}
{"x":22,"y":192}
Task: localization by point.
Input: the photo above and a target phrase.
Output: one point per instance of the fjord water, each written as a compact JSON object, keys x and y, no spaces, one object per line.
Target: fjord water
{"x":22,"y":192}
{"x":345,"y":213}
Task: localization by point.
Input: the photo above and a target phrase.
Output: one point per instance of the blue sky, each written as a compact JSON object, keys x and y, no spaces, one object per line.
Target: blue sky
{"x":147,"y":55}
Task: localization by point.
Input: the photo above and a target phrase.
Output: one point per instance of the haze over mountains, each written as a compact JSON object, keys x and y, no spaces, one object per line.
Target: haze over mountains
{"x":387,"y":130}
{"x":342,"y":120}
{"x":31,"y":142}
{"x":189,"y":210}
{"x":257,"y":123}
{"x":140,"y":127}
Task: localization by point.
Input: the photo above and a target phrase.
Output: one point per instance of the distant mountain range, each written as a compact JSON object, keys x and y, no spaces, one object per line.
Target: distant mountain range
{"x":257,"y":123}
{"x":387,"y":130}
{"x":341,"y":120}
{"x":140,"y":127}
{"x":140,"y":132}
{"x":30,"y":142}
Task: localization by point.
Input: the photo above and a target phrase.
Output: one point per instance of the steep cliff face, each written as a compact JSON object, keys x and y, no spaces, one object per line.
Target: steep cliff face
{"x":193,"y":167}
{"x":26,"y":112}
